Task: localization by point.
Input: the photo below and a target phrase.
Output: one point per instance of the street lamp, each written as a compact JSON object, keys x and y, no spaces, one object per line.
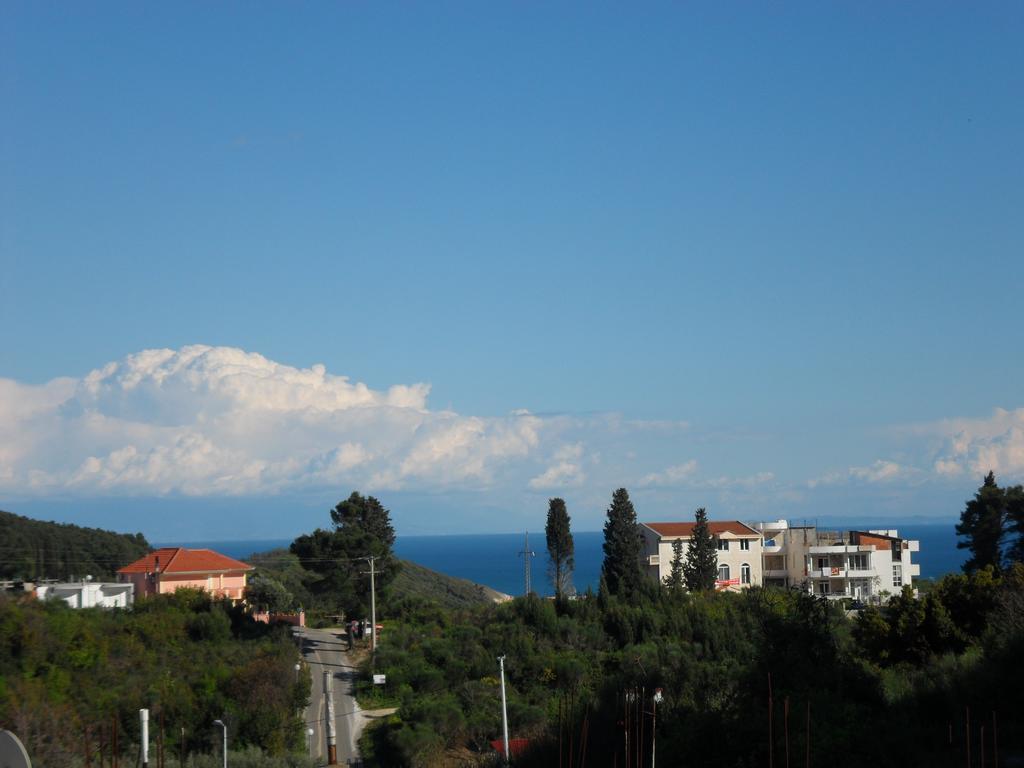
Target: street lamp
{"x":225,"y":750}
{"x":298,"y":668}
{"x":309,"y":741}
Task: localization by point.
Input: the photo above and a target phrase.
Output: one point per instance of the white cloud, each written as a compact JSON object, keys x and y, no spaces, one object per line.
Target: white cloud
{"x":670,"y":475}
{"x":565,"y":472}
{"x":217,"y":420}
{"x":976,"y":446}
{"x":878,"y":472}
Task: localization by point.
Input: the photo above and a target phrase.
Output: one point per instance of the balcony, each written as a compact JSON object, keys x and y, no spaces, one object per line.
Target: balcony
{"x":776,"y":573}
{"x":772,"y":549}
{"x":861,"y":573}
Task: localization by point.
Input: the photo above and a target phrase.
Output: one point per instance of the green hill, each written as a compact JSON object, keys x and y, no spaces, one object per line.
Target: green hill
{"x":33,"y":549}
{"x":416,"y":581}
{"x":413,"y":580}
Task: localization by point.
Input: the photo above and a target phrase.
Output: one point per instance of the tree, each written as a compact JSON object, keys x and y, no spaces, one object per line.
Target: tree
{"x":701,"y":566}
{"x":560,"y":547}
{"x":338,"y":558}
{"x":983,"y":526}
{"x":622,"y":546}
{"x":266,"y":592}
{"x":1014,"y":496}
{"x":675,"y":580}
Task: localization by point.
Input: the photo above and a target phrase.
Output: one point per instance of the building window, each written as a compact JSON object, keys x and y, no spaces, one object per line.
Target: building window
{"x":823,"y":562}
{"x":859,"y":562}
{"x":745,"y":544}
{"x":723,"y":545}
{"x":897,"y":575}
{"x":745,"y":573}
{"x":723,"y":572}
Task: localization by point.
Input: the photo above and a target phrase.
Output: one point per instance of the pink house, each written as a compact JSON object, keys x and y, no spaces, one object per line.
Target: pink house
{"x":172,"y":568}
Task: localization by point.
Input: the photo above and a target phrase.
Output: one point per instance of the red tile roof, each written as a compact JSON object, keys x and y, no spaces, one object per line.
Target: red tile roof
{"x":685,"y":530}
{"x":181,"y":560}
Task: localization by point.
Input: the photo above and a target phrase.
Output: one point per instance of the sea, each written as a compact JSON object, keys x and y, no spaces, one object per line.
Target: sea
{"x":496,"y":560}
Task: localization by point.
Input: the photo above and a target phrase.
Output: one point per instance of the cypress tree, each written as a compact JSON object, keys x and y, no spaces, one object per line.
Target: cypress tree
{"x":983,"y":526}
{"x":674,"y":580}
{"x":701,"y":566}
{"x":560,"y":547}
{"x":622,"y":546}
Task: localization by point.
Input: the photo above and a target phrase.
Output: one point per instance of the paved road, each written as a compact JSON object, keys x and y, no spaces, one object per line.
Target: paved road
{"x":323,"y":651}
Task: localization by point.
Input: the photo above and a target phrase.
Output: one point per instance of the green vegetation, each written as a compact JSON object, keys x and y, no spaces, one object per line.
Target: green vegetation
{"x":620,"y":572}
{"x":700,"y":568}
{"x":994,"y":516}
{"x":414,"y":582}
{"x":561,"y":548}
{"x":336,"y":560}
{"x":67,"y":673}
{"x":883,"y":688}
{"x":33,"y":549}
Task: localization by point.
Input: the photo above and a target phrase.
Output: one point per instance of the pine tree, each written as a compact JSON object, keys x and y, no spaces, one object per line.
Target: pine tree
{"x":701,"y":566}
{"x":361,"y":527}
{"x":1014,"y":496}
{"x":983,"y":526}
{"x":674,"y":580}
{"x":560,"y":547}
{"x":622,"y":546}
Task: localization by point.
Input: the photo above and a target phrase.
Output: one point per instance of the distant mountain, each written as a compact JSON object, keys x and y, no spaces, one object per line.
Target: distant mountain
{"x":33,"y":549}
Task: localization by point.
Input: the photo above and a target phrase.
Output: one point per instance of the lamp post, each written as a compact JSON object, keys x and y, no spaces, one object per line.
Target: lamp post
{"x":309,"y":741}
{"x":298,"y":668}
{"x":225,"y":749}
{"x":654,"y":722}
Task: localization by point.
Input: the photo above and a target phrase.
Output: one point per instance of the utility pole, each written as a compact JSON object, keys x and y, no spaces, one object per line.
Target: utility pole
{"x":526,"y":554}
{"x":373,"y":606}
{"x":332,"y":739}
{"x":504,"y":707}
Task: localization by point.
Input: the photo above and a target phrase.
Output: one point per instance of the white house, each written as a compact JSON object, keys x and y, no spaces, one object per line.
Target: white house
{"x":739,"y":551}
{"x":864,"y":565}
{"x":89,"y":594}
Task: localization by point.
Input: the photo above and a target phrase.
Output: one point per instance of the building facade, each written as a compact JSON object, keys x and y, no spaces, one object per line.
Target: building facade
{"x":172,"y":568}
{"x":89,"y":594}
{"x":863,"y":565}
{"x":739,"y":551}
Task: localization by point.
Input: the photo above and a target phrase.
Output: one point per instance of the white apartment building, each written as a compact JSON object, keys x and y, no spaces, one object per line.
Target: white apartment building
{"x":89,"y":594}
{"x":739,"y":551}
{"x":863,"y":565}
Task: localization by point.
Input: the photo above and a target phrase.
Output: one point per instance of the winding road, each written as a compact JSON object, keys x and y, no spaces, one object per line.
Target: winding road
{"x":322,"y":651}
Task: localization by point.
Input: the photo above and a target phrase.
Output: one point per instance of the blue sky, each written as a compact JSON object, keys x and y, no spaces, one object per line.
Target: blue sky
{"x":766,"y":259}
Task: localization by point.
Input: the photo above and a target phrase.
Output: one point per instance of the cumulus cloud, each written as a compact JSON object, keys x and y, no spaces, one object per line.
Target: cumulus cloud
{"x":566,"y":471}
{"x":217,"y":420}
{"x":976,"y":446}
{"x":670,"y":475}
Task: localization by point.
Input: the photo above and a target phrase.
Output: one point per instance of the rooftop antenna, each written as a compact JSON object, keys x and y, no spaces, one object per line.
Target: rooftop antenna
{"x":527,"y":554}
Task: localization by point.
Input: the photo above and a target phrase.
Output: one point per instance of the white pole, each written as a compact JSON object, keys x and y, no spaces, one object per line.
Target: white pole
{"x":332,"y":739}
{"x":504,"y":707}
{"x":144,"y":722}
{"x":224,"y":751}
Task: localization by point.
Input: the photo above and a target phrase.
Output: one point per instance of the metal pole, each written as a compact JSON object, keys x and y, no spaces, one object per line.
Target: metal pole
{"x":504,"y":707}
{"x":144,"y":724}
{"x":332,"y":739}
{"x":224,"y":749}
